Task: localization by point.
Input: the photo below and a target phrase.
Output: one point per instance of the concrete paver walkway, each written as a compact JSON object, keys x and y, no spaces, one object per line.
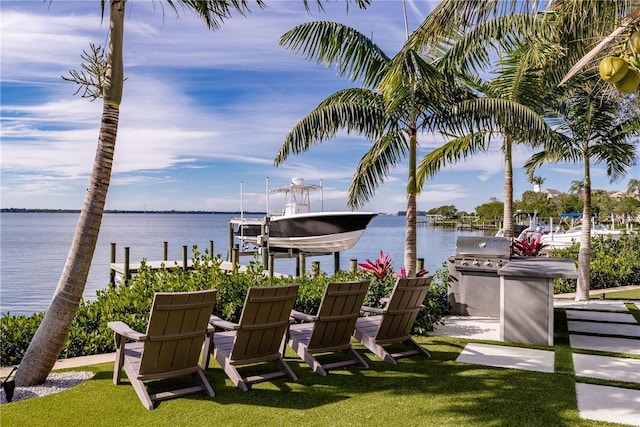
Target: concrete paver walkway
{"x":605,"y":326}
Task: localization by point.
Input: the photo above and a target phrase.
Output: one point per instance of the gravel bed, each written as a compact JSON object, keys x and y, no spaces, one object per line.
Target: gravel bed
{"x":54,"y":383}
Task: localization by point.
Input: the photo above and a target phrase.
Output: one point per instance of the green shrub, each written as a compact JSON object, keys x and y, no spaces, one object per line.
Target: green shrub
{"x":131,"y":303}
{"x":614,"y":263}
{"x":15,"y":335}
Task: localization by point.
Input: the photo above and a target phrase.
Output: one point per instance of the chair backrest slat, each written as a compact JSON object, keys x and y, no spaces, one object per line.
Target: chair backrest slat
{"x":338,"y":312}
{"x":263,"y":322}
{"x":404,"y":304}
{"x":176,"y":330}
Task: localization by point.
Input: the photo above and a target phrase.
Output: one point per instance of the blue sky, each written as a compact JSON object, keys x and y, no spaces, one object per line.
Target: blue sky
{"x":205,"y":110}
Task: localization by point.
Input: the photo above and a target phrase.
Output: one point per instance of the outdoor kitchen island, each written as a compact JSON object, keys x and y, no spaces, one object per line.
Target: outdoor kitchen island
{"x":526,"y":297}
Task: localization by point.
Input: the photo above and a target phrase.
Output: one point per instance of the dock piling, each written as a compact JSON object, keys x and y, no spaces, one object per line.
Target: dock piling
{"x":353,"y":265}
{"x":184,"y":258}
{"x":127,"y":273}
{"x":112,"y":272}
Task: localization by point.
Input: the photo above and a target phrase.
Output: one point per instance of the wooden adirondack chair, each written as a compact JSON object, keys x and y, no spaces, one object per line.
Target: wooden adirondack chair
{"x":177,"y":329}
{"x":392,"y":324}
{"x":258,"y":337}
{"x":330,"y":330}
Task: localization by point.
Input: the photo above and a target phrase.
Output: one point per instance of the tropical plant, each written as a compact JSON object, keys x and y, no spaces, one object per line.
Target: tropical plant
{"x":526,"y":247}
{"x":633,"y":187}
{"x":389,"y":118}
{"x":537,"y":182}
{"x":507,"y":102}
{"x":590,"y":130}
{"x":576,"y":187}
{"x":50,"y":336}
{"x":380,"y":268}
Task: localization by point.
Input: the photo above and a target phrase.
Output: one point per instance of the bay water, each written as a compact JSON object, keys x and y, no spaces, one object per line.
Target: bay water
{"x":34,"y":247}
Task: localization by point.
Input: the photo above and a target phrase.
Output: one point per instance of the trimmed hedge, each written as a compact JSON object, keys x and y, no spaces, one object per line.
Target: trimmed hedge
{"x":131,"y":304}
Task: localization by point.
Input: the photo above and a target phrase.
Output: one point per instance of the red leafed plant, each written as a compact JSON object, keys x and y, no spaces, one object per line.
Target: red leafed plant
{"x":526,"y":247}
{"x":380,"y":267}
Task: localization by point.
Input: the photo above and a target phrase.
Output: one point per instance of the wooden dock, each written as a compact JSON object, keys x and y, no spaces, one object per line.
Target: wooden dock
{"x":119,"y":269}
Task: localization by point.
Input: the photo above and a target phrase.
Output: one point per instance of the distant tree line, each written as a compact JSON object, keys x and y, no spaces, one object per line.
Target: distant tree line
{"x":604,"y":206}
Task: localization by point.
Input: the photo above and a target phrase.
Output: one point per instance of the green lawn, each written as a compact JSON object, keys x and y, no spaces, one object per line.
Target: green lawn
{"x":416,"y":392}
{"x":630,"y":295}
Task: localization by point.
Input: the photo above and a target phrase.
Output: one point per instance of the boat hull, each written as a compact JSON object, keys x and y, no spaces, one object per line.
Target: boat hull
{"x":565,"y":240}
{"x":312,"y":232}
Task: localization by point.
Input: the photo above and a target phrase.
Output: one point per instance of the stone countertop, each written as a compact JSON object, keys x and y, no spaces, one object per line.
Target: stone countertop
{"x":540,"y":267}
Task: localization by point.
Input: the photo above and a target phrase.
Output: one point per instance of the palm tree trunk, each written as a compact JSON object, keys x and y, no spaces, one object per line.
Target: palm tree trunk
{"x":508,"y":189}
{"x":584,"y":255}
{"x":50,"y":337}
{"x":410,"y":251}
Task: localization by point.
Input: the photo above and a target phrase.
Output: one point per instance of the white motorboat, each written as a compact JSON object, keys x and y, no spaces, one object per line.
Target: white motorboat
{"x":296,"y":228}
{"x":573,"y":235}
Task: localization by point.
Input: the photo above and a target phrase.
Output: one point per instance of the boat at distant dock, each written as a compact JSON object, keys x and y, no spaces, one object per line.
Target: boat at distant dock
{"x":296,"y":228}
{"x":567,"y":238}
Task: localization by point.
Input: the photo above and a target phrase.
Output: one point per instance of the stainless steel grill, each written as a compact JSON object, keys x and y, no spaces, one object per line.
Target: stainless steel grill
{"x":474,"y":284}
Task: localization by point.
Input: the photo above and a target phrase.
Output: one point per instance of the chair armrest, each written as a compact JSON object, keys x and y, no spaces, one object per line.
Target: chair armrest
{"x":124,"y":330}
{"x":298,"y":315}
{"x":223,"y":324}
{"x":365,"y":309}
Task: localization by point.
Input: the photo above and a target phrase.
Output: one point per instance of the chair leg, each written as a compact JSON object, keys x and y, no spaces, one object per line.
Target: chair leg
{"x":140,"y":389}
{"x":303,"y":352}
{"x":421,"y":350}
{"x":230,"y":370}
{"x":206,"y":352}
{"x":119,"y":360}
{"x":286,"y":369}
{"x":205,"y":383}
{"x":351,"y":353}
{"x":370,"y":343}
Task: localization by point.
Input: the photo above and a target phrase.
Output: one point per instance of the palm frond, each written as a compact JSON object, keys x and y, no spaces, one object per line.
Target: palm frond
{"x":328,"y":43}
{"x":387,"y":152}
{"x":353,"y":110}
{"x":453,"y":151}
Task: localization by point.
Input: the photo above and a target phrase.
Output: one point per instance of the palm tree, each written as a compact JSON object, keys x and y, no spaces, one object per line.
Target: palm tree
{"x":392,"y":123}
{"x":537,"y":182}
{"x":576,"y":187}
{"x":633,"y":187}
{"x":482,"y":21}
{"x":510,"y":106}
{"x":50,"y":336}
{"x":590,"y":131}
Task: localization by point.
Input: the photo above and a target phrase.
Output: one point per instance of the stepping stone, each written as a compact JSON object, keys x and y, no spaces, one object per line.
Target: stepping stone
{"x":607,"y":368}
{"x":592,"y":305}
{"x":611,"y":404}
{"x":601,"y":316}
{"x":624,"y":329}
{"x":609,"y":344}
{"x":501,"y":356}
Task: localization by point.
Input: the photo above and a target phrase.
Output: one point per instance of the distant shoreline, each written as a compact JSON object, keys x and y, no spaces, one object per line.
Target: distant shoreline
{"x":117,"y":211}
